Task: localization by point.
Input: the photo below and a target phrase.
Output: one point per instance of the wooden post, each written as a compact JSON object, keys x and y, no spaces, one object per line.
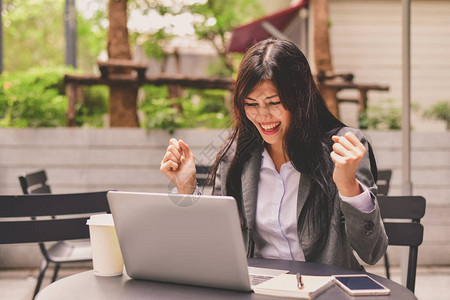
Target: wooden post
{"x":362,"y":100}
{"x":70,"y":93}
{"x":322,"y":53}
{"x":176,"y":90}
{"x":74,"y":94}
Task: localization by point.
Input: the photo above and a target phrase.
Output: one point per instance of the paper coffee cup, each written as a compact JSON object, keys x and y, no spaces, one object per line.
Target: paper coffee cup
{"x":106,"y":255}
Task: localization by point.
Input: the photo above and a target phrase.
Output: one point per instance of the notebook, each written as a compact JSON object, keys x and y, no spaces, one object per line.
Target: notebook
{"x":285,"y":285}
{"x":187,"y":239}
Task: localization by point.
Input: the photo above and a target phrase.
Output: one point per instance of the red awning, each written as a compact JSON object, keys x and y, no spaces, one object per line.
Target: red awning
{"x":244,"y":36}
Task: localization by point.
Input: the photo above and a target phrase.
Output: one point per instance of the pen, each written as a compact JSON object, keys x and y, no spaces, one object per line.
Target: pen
{"x":299,"y":281}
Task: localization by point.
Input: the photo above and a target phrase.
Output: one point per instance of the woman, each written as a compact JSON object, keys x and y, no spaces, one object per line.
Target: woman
{"x":302,"y":179}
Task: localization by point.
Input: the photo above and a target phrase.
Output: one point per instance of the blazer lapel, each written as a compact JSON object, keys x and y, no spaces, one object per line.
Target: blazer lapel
{"x":303,"y":192}
{"x":250,"y":178}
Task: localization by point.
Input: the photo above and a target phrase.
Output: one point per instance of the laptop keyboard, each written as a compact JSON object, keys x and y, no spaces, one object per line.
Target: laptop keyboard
{"x":257,"y":279}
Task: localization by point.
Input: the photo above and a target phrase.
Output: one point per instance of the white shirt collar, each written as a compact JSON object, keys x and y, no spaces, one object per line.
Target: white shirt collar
{"x":267,"y":162}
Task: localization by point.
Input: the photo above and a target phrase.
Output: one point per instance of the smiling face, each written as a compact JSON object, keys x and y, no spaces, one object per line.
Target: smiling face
{"x":264,"y":109}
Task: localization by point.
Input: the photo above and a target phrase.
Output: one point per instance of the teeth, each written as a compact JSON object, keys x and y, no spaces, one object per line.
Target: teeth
{"x":270,"y":126}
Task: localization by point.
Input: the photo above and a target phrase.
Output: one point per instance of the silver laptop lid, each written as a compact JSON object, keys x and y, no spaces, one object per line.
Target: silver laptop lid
{"x":187,"y":239}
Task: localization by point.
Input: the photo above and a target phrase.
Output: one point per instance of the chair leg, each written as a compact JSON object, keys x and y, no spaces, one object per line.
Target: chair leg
{"x":412,"y":266}
{"x":44,"y":266}
{"x":55,"y":273}
{"x":387,"y":266}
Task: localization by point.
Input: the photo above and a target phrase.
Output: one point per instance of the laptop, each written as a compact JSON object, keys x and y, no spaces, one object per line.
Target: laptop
{"x":186,"y":239}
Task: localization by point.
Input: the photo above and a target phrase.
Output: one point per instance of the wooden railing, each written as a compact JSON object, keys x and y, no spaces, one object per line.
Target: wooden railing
{"x":117,"y":71}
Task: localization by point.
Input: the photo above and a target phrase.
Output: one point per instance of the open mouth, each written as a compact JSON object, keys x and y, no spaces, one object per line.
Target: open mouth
{"x":270,"y":128}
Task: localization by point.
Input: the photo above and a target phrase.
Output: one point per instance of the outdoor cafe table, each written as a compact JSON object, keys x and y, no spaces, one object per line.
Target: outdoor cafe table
{"x":86,"y":285}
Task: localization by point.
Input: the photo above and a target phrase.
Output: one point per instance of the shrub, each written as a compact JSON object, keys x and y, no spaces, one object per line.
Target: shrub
{"x":90,"y":112}
{"x":196,"y":109}
{"x":384,"y":115}
{"x":36,"y":98}
{"x":33,"y":98}
{"x":439,"y":111}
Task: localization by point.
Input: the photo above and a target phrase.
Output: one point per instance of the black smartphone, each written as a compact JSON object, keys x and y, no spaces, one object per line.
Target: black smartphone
{"x":360,"y":284}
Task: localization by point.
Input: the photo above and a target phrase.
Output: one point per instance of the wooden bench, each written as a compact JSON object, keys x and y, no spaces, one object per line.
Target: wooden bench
{"x":323,"y":76}
{"x":363,"y":89}
{"x":124,"y":65}
{"x":344,"y":81}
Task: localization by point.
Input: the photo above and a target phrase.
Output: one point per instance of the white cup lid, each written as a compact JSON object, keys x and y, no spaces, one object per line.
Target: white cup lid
{"x":101,"y":220}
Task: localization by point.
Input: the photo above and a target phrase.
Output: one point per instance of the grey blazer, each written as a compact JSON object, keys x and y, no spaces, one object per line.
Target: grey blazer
{"x":362,"y":232}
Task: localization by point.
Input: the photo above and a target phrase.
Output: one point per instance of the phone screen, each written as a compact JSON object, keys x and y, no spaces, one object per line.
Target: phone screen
{"x":359,"y":283}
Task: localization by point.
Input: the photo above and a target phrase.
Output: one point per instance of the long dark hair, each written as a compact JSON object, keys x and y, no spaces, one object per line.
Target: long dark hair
{"x":308,"y":139}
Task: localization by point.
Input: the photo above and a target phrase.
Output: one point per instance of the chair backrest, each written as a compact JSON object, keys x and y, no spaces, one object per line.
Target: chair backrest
{"x":35,"y":183}
{"x":384,"y":178}
{"x":202,"y":175}
{"x":406,"y":229}
{"x":16,"y":226}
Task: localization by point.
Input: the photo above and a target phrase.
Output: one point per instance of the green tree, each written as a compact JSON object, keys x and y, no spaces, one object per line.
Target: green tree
{"x":214,"y":20}
{"x":33,"y":35}
{"x":220,"y":17}
{"x":91,"y":39}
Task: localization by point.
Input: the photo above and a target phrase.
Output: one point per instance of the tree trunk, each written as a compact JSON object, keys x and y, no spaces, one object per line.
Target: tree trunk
{"x":123,"y":97}
{"x":322,"y":53}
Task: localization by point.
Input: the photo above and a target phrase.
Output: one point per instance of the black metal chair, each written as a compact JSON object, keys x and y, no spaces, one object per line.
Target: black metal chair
{"x":383,"y":183}
{"x":35,"y":183}
{"x":408,"y":233}
{"x":202,"y":175}
{"x":62,"y":251}
{"x":203,"y":179}
{"x":41,"y":224}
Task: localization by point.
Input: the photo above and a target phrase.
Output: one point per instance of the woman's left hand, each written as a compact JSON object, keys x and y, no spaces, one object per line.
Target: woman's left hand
{"x":346,"y":155}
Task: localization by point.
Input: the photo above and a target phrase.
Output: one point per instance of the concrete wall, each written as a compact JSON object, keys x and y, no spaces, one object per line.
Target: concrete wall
{"x":82,"y":160}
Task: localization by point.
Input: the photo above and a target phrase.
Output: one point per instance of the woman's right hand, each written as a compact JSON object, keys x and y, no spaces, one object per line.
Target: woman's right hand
{"x":178,"y":165}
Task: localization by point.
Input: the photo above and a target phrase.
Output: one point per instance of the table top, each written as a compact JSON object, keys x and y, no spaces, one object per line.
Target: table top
{"x":86,"y":285}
